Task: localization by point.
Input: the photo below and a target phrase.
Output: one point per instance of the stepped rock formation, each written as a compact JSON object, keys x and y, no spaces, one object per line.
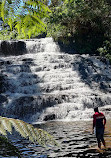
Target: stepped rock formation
{"x":41,"y":83}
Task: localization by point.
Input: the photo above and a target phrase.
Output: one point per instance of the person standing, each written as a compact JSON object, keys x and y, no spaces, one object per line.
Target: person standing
{"x":99,"y":122}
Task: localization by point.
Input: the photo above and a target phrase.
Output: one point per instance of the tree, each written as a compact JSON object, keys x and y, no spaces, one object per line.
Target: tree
{"x":52,"y":3}
{"x":85,"y":22}
{"x":23,"y":16}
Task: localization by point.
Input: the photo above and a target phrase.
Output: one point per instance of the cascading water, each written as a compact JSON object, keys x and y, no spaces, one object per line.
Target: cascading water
{"x":46,"y":84}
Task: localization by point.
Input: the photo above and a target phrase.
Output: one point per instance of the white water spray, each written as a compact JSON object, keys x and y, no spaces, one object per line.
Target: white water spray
{"x":47,"y":84}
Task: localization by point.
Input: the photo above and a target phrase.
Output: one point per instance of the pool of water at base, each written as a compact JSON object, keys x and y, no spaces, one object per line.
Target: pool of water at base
{"x":75,"y":140}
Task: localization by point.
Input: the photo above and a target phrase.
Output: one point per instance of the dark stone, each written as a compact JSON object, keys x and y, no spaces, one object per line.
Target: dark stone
{"x":3,"y":83}
{"x":8,"y":62}
{"x":27,"y":59}
{"x":12,"y":48}
{"x":97,"y":77}
{"x":21,"y":107}
{"x":49,"y":117}
{"x":1,"y":63}
{"x":21,"y":46}
{"x":5,"y":63}
{"x":3,"y":99}
{"x":106,"y":109}
{"x":5,"y":48}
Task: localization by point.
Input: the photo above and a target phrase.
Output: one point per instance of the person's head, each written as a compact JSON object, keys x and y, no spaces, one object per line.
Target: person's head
{"x":96,"y":109}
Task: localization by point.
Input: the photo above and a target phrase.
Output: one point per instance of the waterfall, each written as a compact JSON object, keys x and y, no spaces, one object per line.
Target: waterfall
{"x":38,"y":82}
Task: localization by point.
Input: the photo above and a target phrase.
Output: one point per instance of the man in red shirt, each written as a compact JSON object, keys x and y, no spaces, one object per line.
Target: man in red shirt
{"x":99,"y":122}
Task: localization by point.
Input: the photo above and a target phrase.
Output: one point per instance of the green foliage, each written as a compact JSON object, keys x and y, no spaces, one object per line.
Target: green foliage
{"x":7,"y":35}
{"x":26,"y":130}
{"x":105,"y":51}
{"x":23,"y":16}
{"x":86,"y":22}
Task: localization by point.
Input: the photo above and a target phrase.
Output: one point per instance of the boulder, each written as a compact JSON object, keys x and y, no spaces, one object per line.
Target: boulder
{"x":49,"y":117}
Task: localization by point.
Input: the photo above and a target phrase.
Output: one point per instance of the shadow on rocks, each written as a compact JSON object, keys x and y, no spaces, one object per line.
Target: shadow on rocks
{"x":8,"y":48}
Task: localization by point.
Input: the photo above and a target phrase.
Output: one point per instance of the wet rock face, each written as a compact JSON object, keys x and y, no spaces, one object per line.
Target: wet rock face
{"x":3,"y":99}
{"x":12,"y":48}
{"x":4,"y":63}
{"x":3,"y":83}
{"x":21,"y":107}
{"x":49,"y":117}
{"x":28,"y":105}
{"x":51,"y":84}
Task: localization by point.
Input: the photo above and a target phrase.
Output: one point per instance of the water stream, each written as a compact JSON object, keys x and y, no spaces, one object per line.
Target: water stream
{"x":75,"y":140}
{"x":38,"y":83}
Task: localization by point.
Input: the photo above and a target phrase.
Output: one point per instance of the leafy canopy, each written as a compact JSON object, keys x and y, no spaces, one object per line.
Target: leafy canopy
{"x":86,"y":22}
{"x":24,"y":16}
